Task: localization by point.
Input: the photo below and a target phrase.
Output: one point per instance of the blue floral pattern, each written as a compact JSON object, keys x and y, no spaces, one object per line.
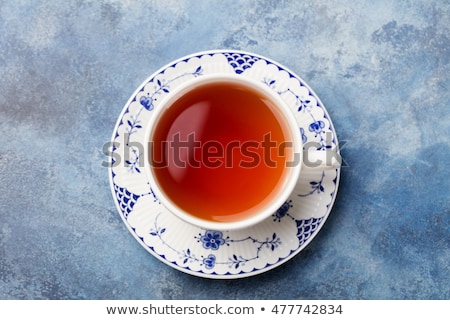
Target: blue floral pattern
{"x":283,"y":211}
{"x":211,"y":253}
{"x":212,"y":240}
{"x":304,"y":103}
{"x":304,"y":137}
{"x":317,"y":127}
{"x":148,"y":101}
{"x":209,"y":261}
{"x":316,"y":186}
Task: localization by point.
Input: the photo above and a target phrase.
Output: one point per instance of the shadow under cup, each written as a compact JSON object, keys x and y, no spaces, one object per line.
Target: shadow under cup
{"x":224,"y":152}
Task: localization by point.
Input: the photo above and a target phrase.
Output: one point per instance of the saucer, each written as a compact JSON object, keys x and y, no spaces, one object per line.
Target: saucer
{"x":211,"y":253}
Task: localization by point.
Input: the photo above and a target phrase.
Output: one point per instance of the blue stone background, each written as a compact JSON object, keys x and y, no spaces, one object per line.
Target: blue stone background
{"x":382,"y":69}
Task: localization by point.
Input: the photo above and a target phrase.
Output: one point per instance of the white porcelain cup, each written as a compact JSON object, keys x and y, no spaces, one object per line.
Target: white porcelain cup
{"x":267,"y":205}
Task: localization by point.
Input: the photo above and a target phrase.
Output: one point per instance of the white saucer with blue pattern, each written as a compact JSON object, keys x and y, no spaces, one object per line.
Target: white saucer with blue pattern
{"x":210,"y":253}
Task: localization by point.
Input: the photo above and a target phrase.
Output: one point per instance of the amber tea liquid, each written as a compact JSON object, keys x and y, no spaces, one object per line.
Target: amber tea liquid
{"x":219,"y":151}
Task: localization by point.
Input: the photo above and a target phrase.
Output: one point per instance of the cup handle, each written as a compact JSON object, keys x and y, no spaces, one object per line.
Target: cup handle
{"x":320,"y":160}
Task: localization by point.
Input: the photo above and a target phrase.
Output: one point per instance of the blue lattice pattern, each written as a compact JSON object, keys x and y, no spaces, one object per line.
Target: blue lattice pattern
{"x":306,"y":228}
{"x":125,"y":199}
{"x":240,"y":61}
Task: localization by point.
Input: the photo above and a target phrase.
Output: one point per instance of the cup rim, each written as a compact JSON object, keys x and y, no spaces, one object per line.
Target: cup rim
{"x":291,"y":176}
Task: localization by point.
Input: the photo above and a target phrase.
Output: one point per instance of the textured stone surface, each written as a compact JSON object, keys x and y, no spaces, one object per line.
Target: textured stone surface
{"x":381,"y":68}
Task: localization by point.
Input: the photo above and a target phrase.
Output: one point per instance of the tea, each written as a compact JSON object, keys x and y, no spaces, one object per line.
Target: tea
{"x":220,"y":151}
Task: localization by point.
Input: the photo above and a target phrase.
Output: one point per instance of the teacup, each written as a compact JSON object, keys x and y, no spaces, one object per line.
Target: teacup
{"x":224,"y":152}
